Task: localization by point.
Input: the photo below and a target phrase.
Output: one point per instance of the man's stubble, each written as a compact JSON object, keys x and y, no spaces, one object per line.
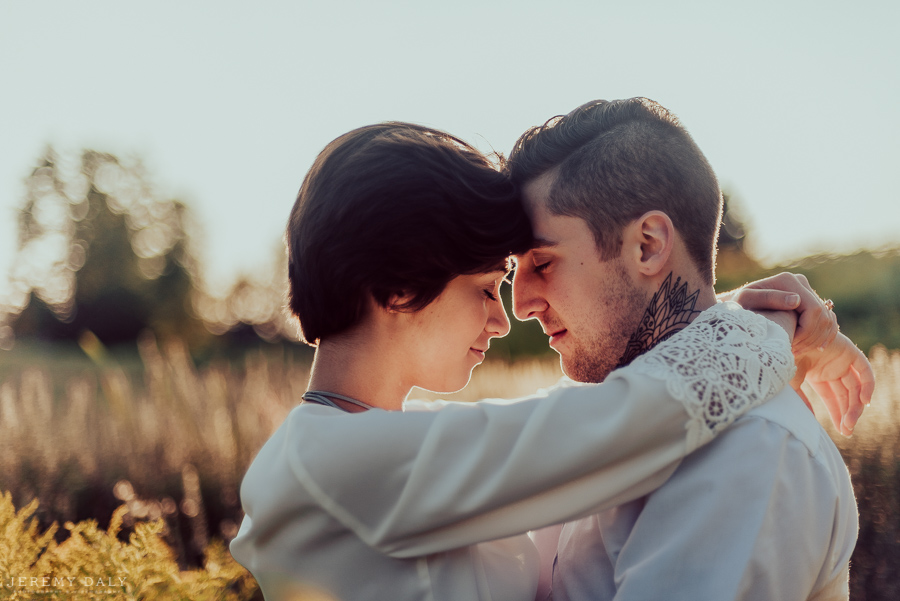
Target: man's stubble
{"x":623,"y":304}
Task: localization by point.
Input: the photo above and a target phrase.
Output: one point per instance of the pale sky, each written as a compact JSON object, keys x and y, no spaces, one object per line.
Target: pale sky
{"x":228,"y":103}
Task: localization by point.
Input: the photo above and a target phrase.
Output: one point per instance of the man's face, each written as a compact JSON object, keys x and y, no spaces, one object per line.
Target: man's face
{"x":588,"y":307}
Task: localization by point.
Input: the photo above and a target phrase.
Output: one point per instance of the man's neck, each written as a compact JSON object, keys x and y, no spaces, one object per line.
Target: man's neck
{"x":671,"y":309}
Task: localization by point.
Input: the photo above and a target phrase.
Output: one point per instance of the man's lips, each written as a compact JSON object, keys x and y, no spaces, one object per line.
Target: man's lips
{"x":478,"y":352}
{"x":557,"y":336}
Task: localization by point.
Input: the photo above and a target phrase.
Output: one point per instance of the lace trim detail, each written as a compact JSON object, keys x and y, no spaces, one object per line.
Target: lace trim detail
{"x":720,"y":367}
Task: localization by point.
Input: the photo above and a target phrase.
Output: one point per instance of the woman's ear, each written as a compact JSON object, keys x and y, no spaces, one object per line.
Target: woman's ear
{"x":648,"y":242}
{"x":397,"y":302}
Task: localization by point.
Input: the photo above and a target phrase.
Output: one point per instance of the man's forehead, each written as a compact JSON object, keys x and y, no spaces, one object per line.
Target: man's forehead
{"x":555,"y":232}
{"x":543,"y":243}
{"x":535,"y":197}
{"x":537,"y":245}
{"x":537,"y":191}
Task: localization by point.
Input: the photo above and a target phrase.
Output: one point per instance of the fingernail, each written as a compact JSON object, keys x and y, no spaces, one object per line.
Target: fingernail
{"x":846,"y":426}
{"x":822,"y":349}
{"x":792,"y":299}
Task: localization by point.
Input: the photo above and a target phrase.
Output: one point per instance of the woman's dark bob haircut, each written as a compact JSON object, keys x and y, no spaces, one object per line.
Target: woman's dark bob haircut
{"x":395,"y":209}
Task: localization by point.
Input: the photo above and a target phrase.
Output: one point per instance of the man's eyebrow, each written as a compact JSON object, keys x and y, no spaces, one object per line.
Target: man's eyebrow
{"x":542,"y":243}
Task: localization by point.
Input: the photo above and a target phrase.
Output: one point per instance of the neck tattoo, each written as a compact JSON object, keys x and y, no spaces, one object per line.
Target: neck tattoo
{"x":670,"y":310}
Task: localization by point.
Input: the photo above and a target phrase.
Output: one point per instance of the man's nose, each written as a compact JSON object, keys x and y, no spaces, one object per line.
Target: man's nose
{"x":527,"y":300}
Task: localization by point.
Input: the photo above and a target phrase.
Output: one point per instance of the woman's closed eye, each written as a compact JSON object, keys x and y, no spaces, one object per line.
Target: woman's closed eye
{"x":492,"y":290}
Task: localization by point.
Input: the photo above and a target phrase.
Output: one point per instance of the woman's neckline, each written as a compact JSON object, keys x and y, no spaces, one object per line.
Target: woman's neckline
{"x":338,"y":401}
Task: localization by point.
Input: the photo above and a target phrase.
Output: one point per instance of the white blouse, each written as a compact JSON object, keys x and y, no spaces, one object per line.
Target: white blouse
{"x":390,"y":505}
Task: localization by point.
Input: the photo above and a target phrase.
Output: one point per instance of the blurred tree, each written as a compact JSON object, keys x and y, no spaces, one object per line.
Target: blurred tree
{"x":98,"y":251}
{"x":254,"y":309}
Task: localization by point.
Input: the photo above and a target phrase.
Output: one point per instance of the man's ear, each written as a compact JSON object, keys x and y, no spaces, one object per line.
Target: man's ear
{"x":648,"y":242}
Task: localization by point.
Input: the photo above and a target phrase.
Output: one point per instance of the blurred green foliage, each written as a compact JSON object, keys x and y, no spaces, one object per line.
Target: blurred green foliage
{"x":865,"y":288}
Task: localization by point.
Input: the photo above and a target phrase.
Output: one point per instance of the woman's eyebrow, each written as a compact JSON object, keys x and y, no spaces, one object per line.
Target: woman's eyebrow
{"x":502,"y":267}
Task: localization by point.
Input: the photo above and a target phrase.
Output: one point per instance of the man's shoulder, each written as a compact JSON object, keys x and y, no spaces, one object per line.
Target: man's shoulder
{"x":777,"y":446}
{"x":782,"y":435}
{"x":788,"y":412}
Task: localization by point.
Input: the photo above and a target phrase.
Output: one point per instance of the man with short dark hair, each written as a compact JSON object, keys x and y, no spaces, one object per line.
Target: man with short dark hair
{"x":625,"y":211}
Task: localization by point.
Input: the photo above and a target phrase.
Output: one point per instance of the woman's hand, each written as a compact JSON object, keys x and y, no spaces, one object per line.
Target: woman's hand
{"x":816,"y":326}
{"x":838,"y":371}
{"x":842,"y":377}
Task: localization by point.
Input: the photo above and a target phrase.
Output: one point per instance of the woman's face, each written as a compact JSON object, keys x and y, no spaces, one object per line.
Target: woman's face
{"x":450,"y":336}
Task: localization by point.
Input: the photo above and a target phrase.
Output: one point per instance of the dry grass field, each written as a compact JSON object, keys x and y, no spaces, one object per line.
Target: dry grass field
{"x":167,"y":441}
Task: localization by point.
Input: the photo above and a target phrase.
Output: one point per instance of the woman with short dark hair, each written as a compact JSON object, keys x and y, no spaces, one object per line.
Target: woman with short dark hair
{"x":391,"y":213}
{"x":398,"y":244}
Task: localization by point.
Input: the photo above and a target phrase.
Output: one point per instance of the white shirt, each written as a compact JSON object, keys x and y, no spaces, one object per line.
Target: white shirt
{"x":765,"y":512}
{"x":389,"y":505}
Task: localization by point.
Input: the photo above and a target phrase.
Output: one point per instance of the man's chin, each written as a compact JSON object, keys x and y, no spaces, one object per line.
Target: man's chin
{"x":584,"y":371}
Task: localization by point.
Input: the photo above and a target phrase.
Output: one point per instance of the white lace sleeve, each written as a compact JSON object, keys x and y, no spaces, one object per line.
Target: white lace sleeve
{"x":718,"y":366}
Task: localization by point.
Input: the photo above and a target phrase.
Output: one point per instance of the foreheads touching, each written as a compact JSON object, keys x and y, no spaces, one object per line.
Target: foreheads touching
{"x":610,"y":162}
